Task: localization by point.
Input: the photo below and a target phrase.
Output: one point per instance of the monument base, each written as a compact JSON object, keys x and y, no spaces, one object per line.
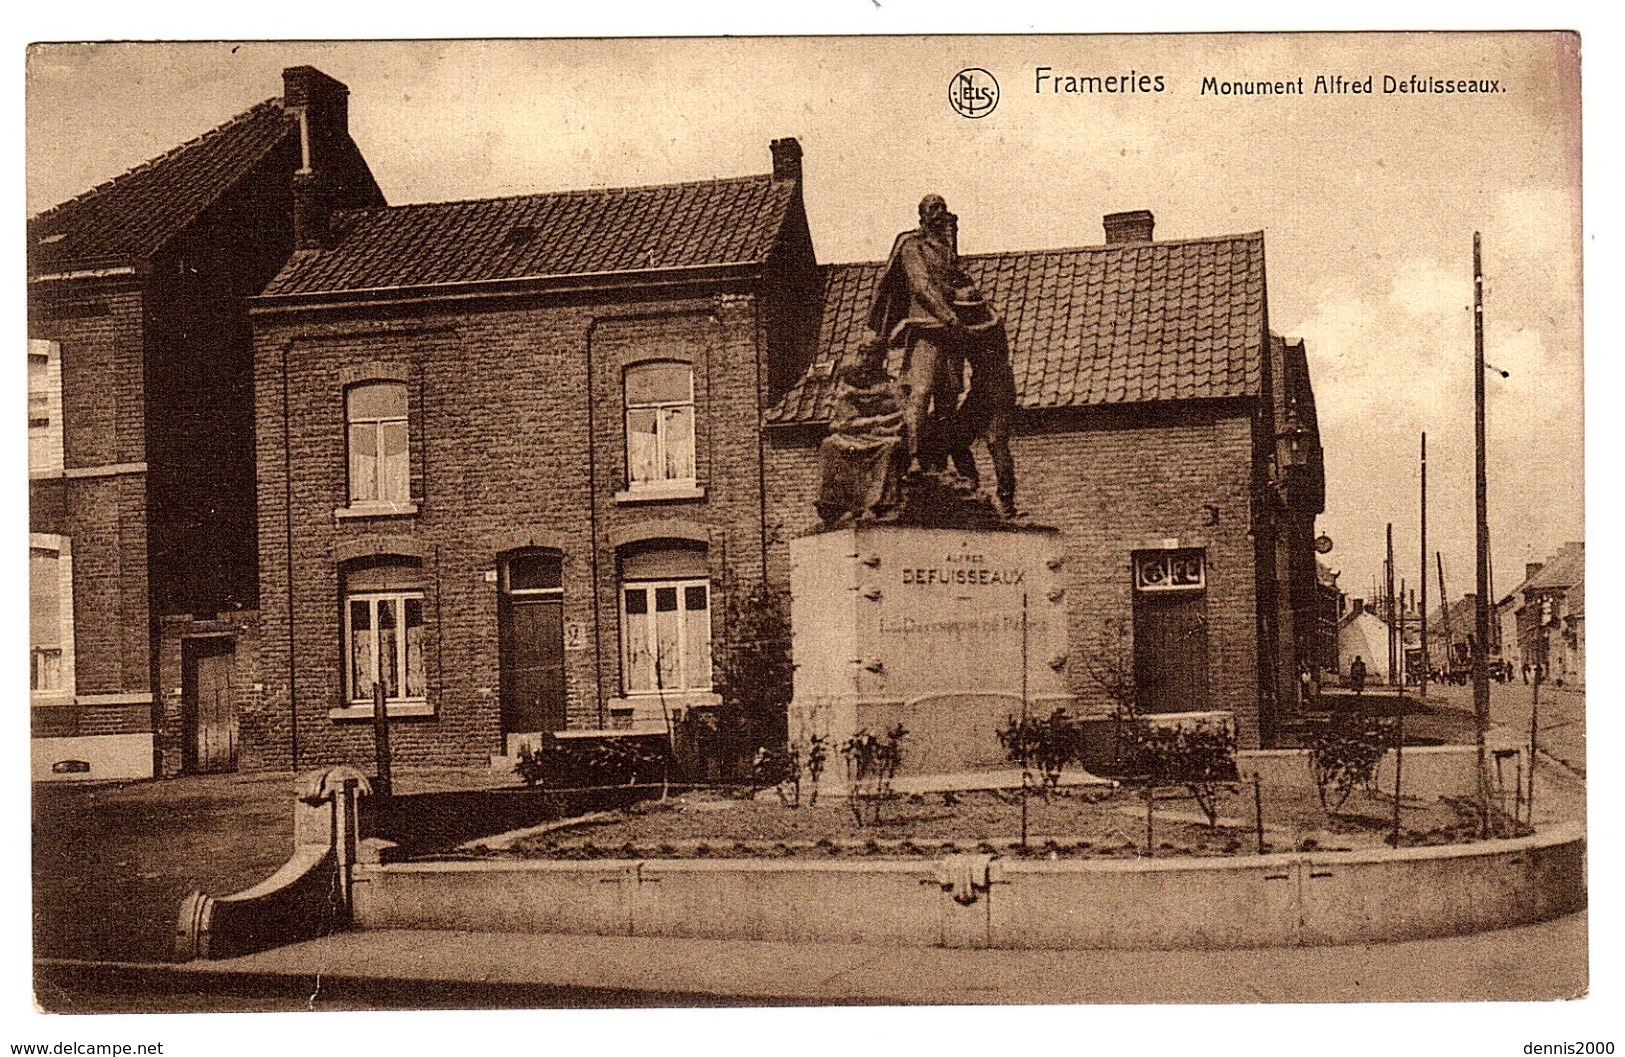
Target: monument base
{"x":949,"y":632}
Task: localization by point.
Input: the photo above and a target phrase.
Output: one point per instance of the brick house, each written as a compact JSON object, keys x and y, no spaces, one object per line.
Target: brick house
{"x":1550,"y":614}
{"x":510,"y":459}
{"x":142,"y":546}
{"x":1169,"y":436}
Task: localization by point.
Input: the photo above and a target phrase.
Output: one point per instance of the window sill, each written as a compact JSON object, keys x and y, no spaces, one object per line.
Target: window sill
{"x":360,"y":510}
{"x":661,"y":493}
{"x":643,"y":713}
{"x":395,"y":710}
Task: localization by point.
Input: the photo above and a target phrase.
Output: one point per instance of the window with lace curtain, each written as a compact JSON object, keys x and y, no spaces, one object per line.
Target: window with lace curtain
{"x":659,"y":425}
{"x":379,"y":460}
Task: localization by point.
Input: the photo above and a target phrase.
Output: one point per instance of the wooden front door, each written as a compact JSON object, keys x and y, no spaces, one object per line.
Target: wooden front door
{"x":208,"y":705}
{"x":531,"y":633}
{"x":1170,"y":632}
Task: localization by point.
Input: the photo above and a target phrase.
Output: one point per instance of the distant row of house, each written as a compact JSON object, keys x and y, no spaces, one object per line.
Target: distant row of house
{"x":507,"y":463}
{"x":1540,"y":623}
{"x":1545,"y":617}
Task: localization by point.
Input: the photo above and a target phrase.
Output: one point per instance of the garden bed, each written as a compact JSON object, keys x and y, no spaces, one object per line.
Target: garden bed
{"x":1066,"y":823}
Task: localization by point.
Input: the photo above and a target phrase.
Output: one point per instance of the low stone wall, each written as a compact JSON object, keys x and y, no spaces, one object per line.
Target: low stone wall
{"x":1430,"y":771}
{"x":980,"y":901}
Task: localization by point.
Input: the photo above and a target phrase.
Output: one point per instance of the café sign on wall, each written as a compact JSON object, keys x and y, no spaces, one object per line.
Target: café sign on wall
{"x":1169,"y":571}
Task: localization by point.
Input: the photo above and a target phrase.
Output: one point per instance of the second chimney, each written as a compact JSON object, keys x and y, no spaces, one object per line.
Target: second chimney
{"x":1531,"y":568}
{"x":786,"y":160}
{"x":1133,"y":226}
{"x":323,"y":109}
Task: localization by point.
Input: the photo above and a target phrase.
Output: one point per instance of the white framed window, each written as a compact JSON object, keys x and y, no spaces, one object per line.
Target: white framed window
{"x":666,"y":636}
{"x":376,"y":438}
{"x":44,"y":408}
{"x":659,"y":425}
{"x":45,"y":670}
{"x":383,"y":643}
{"x":50,"y":619}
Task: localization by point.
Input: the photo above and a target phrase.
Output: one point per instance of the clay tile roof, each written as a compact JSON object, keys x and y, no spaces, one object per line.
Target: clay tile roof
{"x":1564,"y":569}
{"x":131,"y":217}
{"x":1098,"y":325}
{"x":569,"y":233}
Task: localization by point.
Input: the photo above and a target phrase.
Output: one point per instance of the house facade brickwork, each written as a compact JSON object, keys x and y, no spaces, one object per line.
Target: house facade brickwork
{"x":517,"y":425}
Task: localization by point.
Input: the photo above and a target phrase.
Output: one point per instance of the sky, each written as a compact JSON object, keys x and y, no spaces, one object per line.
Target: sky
{"x":1368,"y":203}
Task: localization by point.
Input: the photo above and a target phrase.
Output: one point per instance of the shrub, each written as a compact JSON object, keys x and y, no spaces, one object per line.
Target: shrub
{"x":577,"y":763}
{"x":1044,"y":745}
{"x":1344,"y":753}
{"x":783,"y":768}
{"x":752,"y":674}
{"x":1200,"y":756}
{"x":871,"y":764}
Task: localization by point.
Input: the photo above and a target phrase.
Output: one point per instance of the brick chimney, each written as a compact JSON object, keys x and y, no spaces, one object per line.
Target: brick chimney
{"x":786,"y":160}
{"x":1531,"y":568}
{"x":322,"y":106}
{"x":1133,"y":226}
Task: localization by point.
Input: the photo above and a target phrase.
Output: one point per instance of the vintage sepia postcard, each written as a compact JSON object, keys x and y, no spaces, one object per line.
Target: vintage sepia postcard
{"x":1002,"y":520}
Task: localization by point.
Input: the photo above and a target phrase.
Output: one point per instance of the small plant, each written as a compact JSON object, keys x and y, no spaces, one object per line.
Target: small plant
{"x":1044,"y":745}
{"x":783,"y":770}
{"x":871,"y":764}
{"x":1200,"y":756}
{"x":1344,"y":753}
{"x":772,"y":769}
{"x":535,"y":766}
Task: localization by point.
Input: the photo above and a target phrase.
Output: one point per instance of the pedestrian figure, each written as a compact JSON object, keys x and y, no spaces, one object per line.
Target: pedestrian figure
{"x":1526,"y":673}
{"x":1357,"y":675}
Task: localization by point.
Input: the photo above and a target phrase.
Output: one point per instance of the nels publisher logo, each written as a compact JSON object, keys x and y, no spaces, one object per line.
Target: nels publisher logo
{"x":973,"y":93}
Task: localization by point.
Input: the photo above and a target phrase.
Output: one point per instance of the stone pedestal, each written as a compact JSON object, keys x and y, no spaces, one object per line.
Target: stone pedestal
{"x":928,"y":627}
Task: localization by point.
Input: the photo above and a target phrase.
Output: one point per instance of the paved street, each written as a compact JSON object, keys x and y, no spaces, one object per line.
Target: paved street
{"x":385,"y":970}
{"x":1562,"y":731}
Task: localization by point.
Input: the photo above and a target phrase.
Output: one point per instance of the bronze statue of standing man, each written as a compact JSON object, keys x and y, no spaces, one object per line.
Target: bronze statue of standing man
{"x":926,"y":305}
{"x":913,"y":308}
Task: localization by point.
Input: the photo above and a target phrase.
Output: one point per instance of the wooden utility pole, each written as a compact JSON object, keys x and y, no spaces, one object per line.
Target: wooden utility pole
{"x":1399,"y":700}
{"x":1422,"y":690}
{"x":1444,"y":607}
{"x":1026,"y":771}
{"x":1481,"y":641}
{"x":1534,"y":747}
{"x":1388,"y":602}
{"x":1407,"y":605}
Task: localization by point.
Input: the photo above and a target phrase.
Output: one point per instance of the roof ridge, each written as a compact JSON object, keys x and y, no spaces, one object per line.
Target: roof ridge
{"x":275,"y":102}
{"x":1240,"y":236}
{"x":567,"y":193}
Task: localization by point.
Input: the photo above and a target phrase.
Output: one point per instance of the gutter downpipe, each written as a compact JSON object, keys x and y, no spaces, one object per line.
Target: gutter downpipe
{"x":287,"y":527}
